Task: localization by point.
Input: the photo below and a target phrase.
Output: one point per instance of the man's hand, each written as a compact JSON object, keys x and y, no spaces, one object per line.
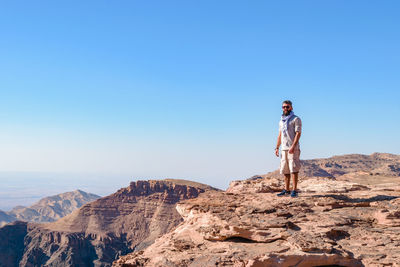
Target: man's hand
{"x":278,"y":144}
{"x":295,"y":141}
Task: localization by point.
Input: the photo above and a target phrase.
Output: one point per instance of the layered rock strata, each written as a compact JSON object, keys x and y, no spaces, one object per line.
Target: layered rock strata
{"x":331,"y":223}
{"x":101,"y":231}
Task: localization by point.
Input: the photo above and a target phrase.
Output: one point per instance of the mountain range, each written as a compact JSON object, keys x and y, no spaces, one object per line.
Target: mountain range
{"x":102,"y":230}
{"x":383,"y":164}
{"x":347,"y":214}
{"x":334,"y":221}
{"x":48,"y":209}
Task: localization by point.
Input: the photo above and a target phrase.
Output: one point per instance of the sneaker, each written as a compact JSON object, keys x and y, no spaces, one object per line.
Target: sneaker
{"x":294,"y":193}
{"x":284,"y":192}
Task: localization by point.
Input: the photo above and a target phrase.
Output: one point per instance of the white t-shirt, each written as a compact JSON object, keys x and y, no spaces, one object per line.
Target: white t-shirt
{"x":293,"y":127}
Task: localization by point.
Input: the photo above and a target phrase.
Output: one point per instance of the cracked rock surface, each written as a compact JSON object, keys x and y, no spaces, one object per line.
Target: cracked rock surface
{"x":332,"y":222}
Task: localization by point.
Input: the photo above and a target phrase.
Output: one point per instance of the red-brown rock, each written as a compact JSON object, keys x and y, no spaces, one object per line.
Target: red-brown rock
{"x":337,"y":223}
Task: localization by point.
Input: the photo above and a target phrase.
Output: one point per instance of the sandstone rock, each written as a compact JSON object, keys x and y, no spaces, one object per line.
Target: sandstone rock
{"x":101,"y":231}
{"x":264,"y":185}
{"x":329,"y":186}
{"x":389,"y":213}
{"x":331,"y":223}
{"x":375,"y":164}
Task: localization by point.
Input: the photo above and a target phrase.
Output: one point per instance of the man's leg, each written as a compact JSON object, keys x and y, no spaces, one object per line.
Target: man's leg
{"x":294,"y":167}
{"x":287,"y":182}
{"x":295,"y":178}
{"x":284,"y":169}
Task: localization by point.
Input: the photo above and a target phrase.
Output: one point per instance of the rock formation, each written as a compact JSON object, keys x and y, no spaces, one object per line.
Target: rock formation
{"x":375,"y":164}
{"x":346,"y":218}
{"x":100,"y":231}
{"x":5,"y":218}
{"x":12,"y":243}
{"x":333,"y":222}
{"x":48,"y":209}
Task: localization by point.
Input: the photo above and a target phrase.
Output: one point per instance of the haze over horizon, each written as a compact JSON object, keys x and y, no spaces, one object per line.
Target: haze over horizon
{"x":107,"y":91}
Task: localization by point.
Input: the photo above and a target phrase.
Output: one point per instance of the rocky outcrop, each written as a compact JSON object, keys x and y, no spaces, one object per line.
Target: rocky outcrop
{"x":12,"y":243}
{"x":331,"y":223}
{"x":383,"y":164}
{"x":100,"y":231}
{"x":48,"y":209}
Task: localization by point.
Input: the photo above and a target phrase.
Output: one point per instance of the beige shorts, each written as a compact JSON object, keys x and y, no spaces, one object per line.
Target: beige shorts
{"x":290,"y":163}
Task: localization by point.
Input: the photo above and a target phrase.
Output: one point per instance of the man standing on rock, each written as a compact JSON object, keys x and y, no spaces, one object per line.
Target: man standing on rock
{"x":289,"y":135}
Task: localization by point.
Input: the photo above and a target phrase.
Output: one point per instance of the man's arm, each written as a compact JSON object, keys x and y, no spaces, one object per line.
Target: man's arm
{"x":278,"y":144}
{"x":296,"y":140}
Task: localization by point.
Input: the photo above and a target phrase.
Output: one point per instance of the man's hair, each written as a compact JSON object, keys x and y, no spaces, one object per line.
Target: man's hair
{"x":287,"y":102}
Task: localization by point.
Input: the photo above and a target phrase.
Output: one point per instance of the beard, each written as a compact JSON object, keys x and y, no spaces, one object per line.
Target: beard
{"x":286,"y":112}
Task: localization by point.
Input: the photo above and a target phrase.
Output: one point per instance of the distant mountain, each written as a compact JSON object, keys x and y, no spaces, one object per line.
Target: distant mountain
{"x":48,"y":209}
{"x":100,"y":231}
{"x":5,"y":218}
{"x":133,"y":218}
{"x":333,"y":222}
{"x":375,"y":164}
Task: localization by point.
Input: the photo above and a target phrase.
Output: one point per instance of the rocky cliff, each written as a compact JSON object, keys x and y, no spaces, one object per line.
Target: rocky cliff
{"x":12,"y":243}
{"x":99,"y":232}
{"x":48,"y":209}
{"x":383,"y":164}
{"x":354,"y":221}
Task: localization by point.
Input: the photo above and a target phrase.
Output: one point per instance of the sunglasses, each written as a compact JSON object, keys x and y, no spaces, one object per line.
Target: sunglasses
{"x":284,"y":107}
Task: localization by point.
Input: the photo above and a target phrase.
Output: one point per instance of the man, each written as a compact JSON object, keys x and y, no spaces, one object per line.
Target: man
{"x":289,"y":135}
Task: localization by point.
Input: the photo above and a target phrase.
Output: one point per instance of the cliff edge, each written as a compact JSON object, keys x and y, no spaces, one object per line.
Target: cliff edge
{"x":332,"y":222}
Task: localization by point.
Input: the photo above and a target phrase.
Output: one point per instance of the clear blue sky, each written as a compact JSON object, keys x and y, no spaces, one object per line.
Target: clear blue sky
{"x":193,"y":89}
